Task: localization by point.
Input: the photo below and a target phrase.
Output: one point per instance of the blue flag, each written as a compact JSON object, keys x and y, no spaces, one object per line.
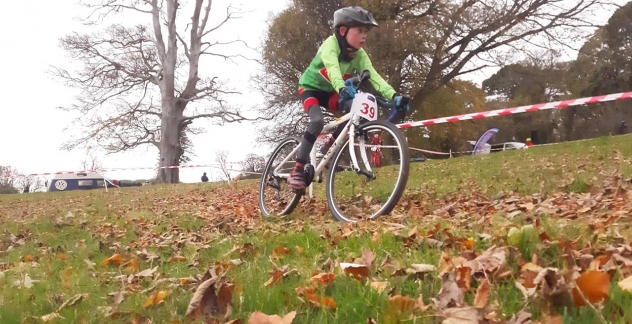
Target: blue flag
{"x":483,"y":140}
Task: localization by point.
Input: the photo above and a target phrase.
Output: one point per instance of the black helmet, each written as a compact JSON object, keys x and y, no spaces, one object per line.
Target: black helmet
{"x":353,"y":17}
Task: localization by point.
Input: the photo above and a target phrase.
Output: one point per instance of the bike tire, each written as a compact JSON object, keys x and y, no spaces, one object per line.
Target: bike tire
{"x":400,"y":184}
{"x":294,"y":200}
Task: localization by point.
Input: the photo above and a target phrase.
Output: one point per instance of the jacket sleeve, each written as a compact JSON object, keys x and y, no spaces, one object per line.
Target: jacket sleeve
{"x":329,"y":53}
{"x":376,"y":79}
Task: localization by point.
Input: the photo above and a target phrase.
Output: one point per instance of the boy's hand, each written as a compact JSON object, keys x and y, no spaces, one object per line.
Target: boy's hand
{"x":401,"y":102}
{"x":347,"y":93}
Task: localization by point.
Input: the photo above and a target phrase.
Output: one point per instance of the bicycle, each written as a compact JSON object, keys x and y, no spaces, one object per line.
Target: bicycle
{"x":363,"y":117}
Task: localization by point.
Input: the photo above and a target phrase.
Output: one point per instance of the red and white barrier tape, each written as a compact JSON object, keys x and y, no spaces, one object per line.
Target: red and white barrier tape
{"x":427,"y":122}
{"x":118,"y":169}
{"x":520,"y":110}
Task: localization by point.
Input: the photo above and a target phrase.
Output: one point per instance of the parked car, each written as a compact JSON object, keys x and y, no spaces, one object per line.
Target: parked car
{"x":80,"y":181}
{"x":488,"y":148}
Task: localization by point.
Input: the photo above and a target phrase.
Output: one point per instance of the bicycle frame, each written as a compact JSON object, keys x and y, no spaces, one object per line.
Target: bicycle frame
{"x":344,"y":136}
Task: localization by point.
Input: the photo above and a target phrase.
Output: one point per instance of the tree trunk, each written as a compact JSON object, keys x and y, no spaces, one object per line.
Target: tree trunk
{"x":170,"y":149}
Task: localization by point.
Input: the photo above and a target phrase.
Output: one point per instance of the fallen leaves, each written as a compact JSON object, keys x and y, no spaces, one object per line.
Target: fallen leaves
{"x":482,"y":295}
{"x":450,"y":295}
{"x":156,"y":298}
{"x":262,"y":318}
{"x":212,"y":299}
{"x":164,"y":260}
{"x":592,"y":286}
{"x":321,"y":302}
{"x":278,"y":274}
{"x":68,"y":303}
{"x":460,"y":315}
{"x":357,"y":271}
{"x":115,"y":259}
{"x":626,"y":284}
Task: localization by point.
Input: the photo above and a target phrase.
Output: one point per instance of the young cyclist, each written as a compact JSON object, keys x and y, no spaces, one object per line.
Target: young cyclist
{"x":323,"y":83}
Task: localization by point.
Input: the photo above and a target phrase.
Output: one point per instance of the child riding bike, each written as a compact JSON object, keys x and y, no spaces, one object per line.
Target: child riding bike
{"x":323,"y":83}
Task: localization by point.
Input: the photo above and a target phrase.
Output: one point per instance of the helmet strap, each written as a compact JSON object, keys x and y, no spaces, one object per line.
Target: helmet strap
{"x":345,"y":47}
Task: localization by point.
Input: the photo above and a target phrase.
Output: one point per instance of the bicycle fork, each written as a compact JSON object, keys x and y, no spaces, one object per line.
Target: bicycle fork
{"x":362,"y":145}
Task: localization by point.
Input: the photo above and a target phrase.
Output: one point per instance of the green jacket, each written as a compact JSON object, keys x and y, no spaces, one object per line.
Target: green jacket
{"x":325,"y":72}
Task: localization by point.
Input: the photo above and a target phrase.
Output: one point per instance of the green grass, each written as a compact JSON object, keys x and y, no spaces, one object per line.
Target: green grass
{"x":447,"y":201}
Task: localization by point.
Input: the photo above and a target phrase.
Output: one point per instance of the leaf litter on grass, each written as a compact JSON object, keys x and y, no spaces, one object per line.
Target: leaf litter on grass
{"x":579,"y":249}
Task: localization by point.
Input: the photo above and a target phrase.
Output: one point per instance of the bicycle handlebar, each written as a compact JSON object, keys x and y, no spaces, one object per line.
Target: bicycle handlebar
{"x":383,"y":102}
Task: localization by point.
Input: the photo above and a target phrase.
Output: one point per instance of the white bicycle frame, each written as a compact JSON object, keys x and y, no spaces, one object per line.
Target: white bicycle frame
{"x":329,"y":127}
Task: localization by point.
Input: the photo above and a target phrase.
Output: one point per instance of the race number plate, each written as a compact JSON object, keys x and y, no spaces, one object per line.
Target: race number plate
{"x":364,"y":105}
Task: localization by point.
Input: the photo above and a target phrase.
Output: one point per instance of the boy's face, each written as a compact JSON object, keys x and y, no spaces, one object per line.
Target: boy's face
{"x":356,"y":36}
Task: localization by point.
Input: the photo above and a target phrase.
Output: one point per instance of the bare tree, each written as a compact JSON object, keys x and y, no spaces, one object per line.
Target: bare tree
{"x":221,"y":157}
{"x":8,"y":177}
{"x":91,"y":161}
{"x":140,"y":85}
{"x":253,"y":162}
{"x":28,"y":184}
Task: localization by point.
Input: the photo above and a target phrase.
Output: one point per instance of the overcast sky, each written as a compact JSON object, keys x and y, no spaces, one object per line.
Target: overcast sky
{"x":31,"y":127}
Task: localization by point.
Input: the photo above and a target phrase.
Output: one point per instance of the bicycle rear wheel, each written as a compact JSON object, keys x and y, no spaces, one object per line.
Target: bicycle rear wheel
{"x":352,"y":196}
{"x":276,"y":198}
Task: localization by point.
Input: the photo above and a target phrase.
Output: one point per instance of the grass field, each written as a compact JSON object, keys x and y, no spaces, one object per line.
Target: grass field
{"x":200,"y":253}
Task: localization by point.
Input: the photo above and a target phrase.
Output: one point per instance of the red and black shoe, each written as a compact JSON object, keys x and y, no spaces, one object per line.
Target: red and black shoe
{"x":297,"y":180}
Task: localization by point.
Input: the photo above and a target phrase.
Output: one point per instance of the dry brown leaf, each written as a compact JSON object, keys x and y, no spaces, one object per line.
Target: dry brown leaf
{"x":147,"y":272}
{"x":72,"y":301}
{"x":277,"y":275}
{"x":322,"y":302}
{"x":177,"y":258}
{"x":280,"y":252}
{"x":156,"y":298}
{"x":120,"y":296}
{"x":203,"y":298}
{"x":594,"y":285}
{"x":522,"y":318}
{"x":303,"y":291}
{"x":402,"y":304}
{"x":115,"y":259}
{"x":357,"y":271}
{"x":418,"y":268}
{"x":626,"y":284}
{"x":261,"y":318}
{"x":132,"y":265}
{"x":482,"y":295}
{"x":450,"y":294}
{"x":379,"y":286}
{"x":464,"y":278}
{"x":460,"y":315}
{"x":467,"y":244}
{"x":49,"y":317}
{"x":248,"y":250}
{"x":490,"y":261}
{"x":323,"y":278}
{"x":132,"y":318}
{"x":368,"y":257}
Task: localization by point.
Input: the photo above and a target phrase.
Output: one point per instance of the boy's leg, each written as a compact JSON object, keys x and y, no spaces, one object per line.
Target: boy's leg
{"x":332,"y":104}
{"x":311,"y":104}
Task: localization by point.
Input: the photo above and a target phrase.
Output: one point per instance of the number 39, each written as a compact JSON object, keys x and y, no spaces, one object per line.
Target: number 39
{"x":366,"y":109}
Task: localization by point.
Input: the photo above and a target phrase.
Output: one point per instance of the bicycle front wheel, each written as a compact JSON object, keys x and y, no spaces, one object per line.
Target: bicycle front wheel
{"x":276,"y":198}
{"x":352,"y":196}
